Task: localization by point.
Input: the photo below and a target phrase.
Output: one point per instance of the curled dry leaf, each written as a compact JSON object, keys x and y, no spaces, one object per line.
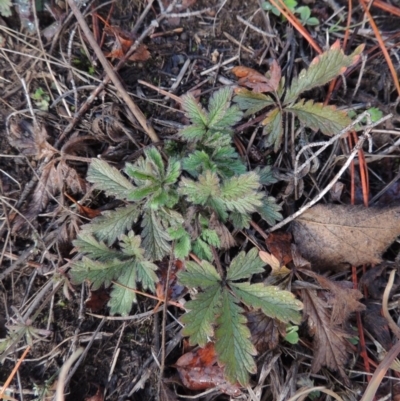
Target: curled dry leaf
{"x":256,"y":81}
{"x":342,"y":298}
{"x":30,"y":140}
{"x":334,"y":236}
{"x":199,"y":370}
{"x":264,"y":331}
{"x":330,"y":344}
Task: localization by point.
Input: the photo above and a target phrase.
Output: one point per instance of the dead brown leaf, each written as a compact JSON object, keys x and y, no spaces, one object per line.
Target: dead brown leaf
{"x":30,"y":140}
{"x":333,"y":236}
{"x":264,"y":331}
{"x":330,"y":344}
{"x":342,"y":298}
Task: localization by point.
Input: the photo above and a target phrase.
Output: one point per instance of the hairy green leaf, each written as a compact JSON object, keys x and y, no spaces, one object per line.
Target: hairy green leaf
{"x":218,"y":104}
{"x":200,"y":192}
{"x":245,"y":265}
{"x":113,"y":223}
{"x":251,"y":102}
{"x":211,"y":237}
{"x":201,"y":316}
{"x":98,"y":273}
{"x":182,"y":246}
{"x":195,"y":275}
{"x":193,"y":133}
{"x":240,"y":194}
{"x":273,"y":301}
{"x":317,"y":116}
{"x":194,"y":111}
{"x":108,"y":179}
{"x":273,"y":128}
{"x":201,"y":249}
{"x":270,"y":211}
{"x":155,"y":237}
{"x":322,"y":69}
{"x":266,"y":175}
{"x":88,"y":245}
{"x":240,"y":220}
{"x":233,"y":345}
{"x":122,"y":296}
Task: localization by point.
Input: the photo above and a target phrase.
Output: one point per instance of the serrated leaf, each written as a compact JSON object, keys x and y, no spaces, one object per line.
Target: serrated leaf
{"x":130,"y":245}
{"x":240,"y":193}
{"x":273,"y":128}
{"x":317,"y":116}
{"x":111,"y":224}
{"x":200,"y":192}
{"x":202,"y":249}
{"x":108,"y":179}
{"x":322,"y":69}
{"x":138,"y":174}
{"x":122,"y":296}
{"x":244,"y":265}
{"x":88,"y":245}
{"x":203,"y":276}
{"x":98,"y":273}
{"x":266,"y":175}
{"x":231,"y":116}
{"x":154,"y":156}
{"x":192,"y":133}
{"x":250,"y":101}
{"x":273,"y":301}
{"x":233,"y":344}
{"x":211,"y":237}
{"x":194,"y":111}
{"x":155,"y":238}
{"x":145,"y":272}
{"x":173,"y":172}
{"x":201,"y":316}
{"x":218,"y":104}
{"x":196,"y":162}
{"x":143,"y":192}
{"x":240,"y":220}
{"x":182,"y":246}
{"x":270,"y":211}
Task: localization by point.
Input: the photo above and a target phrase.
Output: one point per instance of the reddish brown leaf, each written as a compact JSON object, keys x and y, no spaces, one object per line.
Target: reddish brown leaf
{"x":254,"y":80}
{"x":279,"y":244}
{"x":198,"y":370}
{"x":334,"y":236}
{"x":97,"y":300}
{"x":123,"y":41}
{"x":330,"y":344}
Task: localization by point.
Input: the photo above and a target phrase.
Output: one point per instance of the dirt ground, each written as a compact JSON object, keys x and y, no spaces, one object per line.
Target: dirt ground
{"x":43,"y":176}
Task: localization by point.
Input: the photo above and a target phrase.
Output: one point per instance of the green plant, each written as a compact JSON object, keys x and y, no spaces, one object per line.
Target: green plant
{"x":5,"y":8}
{"x":315,"y":116}
{"x":219,"y":304}
{"x":41,"y":99}
{"x":303,"y":11}
{"x":181,"y":206}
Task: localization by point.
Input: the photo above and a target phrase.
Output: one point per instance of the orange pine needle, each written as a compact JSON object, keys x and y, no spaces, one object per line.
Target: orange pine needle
{"x":14,"y":371}
{"x":382,"y":45}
